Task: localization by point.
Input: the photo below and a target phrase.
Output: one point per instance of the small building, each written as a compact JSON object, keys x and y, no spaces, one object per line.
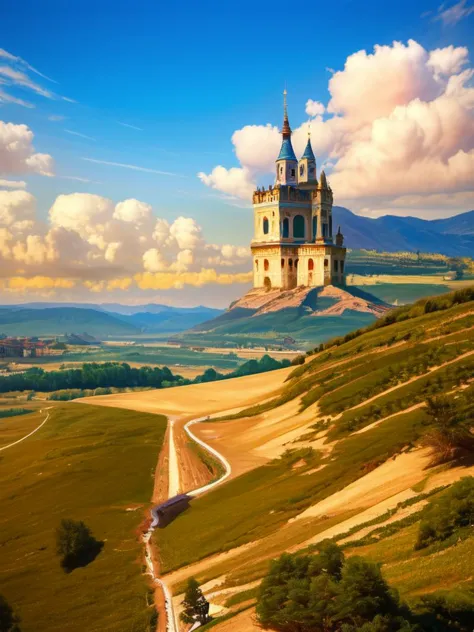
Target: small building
{"x":166,"y":512}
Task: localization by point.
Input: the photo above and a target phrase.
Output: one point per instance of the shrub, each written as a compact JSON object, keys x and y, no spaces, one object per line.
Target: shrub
{"x":451,"y":434}
{"x":445,"y":515}
{"x":452,"y":610}
{"x":298,"y":360}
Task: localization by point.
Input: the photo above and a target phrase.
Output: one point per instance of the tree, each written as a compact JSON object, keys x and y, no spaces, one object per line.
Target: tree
{"x":195,"y":605}
{"x":324,"y":593}
{"x":9,"y":622}
{"x":75,"y":544}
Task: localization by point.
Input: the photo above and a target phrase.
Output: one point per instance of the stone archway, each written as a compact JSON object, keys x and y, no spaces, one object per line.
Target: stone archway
{"x":267,"y":284}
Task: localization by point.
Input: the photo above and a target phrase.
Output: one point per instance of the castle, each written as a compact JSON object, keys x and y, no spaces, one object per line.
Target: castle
{"x":293,"y":240}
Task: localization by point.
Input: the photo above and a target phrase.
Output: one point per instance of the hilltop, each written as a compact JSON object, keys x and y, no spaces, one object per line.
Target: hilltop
{"x":302,"y":316}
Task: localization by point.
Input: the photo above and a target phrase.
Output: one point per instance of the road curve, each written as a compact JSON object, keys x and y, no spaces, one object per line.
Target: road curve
{"x":10,"y":445}
{"x":172,"y":624}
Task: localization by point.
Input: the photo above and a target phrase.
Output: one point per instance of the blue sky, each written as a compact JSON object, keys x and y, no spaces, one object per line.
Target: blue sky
{"x":164,"y":86}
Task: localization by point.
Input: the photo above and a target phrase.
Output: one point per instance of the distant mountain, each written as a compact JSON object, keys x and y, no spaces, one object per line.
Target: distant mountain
{"x":43,"y":319}
{"x":453,"y":236}
{"x":55,"y":321}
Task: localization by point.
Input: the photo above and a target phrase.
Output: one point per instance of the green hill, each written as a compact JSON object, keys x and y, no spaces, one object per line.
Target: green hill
{"x":363,"y":403}
{"x":56,"y":321}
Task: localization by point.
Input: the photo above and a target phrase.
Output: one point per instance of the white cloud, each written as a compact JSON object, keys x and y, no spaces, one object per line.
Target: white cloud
{"x":19,"y":78}
{"x":8,"y":98}
{"x":21,"y":62}
{"x":448,"y":60}
{"x":455,"y":13}
{"x":17,"y":209}
{"x":70,"y":131}
{"x":133,"y":167}
{"x":314,"y":108}
{"x":17,"y":152}
{"x":13,"y":184}
{"x":235,"y":181}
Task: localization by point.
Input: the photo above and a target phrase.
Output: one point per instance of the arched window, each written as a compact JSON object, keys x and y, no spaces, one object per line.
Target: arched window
{"x":298,"y":227}
{"x":315,"y":227}
{"x":267,"y":284}
{"x":265,"y":226}
{"x":265,"y":264}
{"x":342,"y":267}
{"x":290,"y":263}
{"x":296,"y":263}
{"x":286,"y":228}
{"x":336,"y":265}
{"x":310,"y":264}
{"x":282,"y":263}
{"x":326,"y":263}
{"x":325,"y":230}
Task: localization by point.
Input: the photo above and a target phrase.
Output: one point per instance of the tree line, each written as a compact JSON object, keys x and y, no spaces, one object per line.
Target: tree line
{"x":121,"y":375}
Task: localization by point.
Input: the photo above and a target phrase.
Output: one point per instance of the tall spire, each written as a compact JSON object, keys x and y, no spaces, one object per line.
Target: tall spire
{"x":286,"y":129}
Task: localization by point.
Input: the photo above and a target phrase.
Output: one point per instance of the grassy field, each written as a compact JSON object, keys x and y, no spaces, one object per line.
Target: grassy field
{"x":90,"y":464}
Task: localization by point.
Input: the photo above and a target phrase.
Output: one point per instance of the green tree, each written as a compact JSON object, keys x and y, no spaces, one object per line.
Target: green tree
{"x":75,"y":544}
{"x":9,"y":622}
{"x":195,"y":605}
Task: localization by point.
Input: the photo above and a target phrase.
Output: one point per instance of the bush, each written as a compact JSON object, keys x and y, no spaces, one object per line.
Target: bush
{"x":298,"y":360}
{"x":75,"y":544}
{"x":451,"y":435}
{"x":453,"y":610}
{"x":445,"y":515}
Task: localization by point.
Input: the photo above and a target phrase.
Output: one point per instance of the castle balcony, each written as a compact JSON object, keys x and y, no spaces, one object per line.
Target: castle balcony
{"x":281,"y":193}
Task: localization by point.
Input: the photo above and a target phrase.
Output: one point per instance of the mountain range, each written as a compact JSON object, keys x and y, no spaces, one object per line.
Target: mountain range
{"x":54,"y":319}
{"x":452,"y":236}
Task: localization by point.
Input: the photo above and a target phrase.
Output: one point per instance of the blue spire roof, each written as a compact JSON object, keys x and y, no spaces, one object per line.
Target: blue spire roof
{"x":308,"y":152}
{"x":286,"y":151}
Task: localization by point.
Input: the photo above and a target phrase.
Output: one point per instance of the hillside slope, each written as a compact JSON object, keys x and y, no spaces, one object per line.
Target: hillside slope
{"x":338,"y":452}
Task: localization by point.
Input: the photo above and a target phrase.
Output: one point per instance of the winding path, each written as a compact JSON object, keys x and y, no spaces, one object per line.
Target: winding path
{"x":172,"y":624}
{"x":10,"y":445}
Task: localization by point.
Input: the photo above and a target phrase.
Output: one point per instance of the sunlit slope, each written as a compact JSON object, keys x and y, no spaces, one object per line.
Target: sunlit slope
{"x":199,"y":399}
{"x":357,"y":404}
{"x":91,"y":464}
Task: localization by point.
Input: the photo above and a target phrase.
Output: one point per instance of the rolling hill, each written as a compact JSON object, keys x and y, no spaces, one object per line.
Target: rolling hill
{"x":453,"y":236}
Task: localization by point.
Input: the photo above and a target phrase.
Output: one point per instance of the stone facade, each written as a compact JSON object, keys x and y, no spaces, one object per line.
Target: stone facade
{"x":293,"y":234}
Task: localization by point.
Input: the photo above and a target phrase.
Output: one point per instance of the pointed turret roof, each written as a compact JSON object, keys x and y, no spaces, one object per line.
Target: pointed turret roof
{"x":286,"y":151}
{"x":308,"y":152}
{"x":323,"y":182}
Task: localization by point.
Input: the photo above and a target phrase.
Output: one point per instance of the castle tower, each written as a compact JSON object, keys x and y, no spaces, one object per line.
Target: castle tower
{"x":286,"y":163}
{"x":307,"y":168}
{"x":293,"y":241}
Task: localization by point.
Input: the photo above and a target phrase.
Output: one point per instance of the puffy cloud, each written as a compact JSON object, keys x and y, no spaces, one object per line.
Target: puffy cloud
{"x":400,"y":121}
{"x":234,"y":181}
{"x":98,"y":246}
{"x":17,"y":209}
{"x":205,"y":276}
{"x":132,"y":211}
{"x":314,"y":108}
{"x":448,"y":60}
{"x":17,"y":152}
